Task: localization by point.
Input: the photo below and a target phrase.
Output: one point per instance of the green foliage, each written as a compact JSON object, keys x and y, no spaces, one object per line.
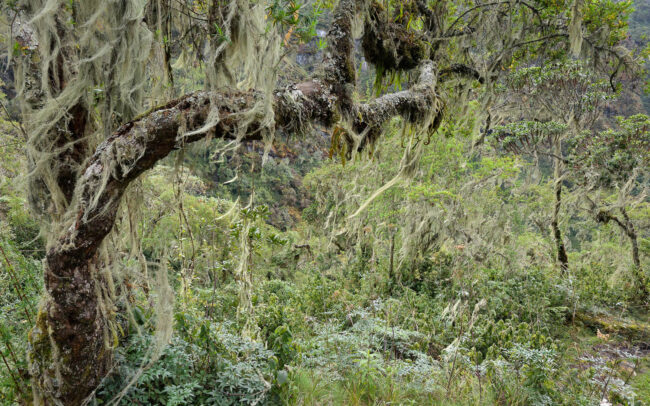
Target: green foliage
{"x":610,"y":14}
{"x":455,"y":324}
{"x":300,"y":18}
{"x":20,"y":284}
{"x":526,"y":136}
{"x":611,"y":157}
{"x":231,"y":371}
{"x":442,"y":291}
{"x":569,"y":91}
{"x":20,"y":268}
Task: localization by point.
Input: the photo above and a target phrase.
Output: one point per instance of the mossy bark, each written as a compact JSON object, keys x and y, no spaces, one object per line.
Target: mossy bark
{"x":68,"y":356}
{"x":562,"y":257}
{"x":391,"y":46}
{"x":636,"y":259}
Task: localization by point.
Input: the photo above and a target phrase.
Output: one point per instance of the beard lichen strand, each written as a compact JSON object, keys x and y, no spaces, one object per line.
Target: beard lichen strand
{"x":84,"y":76}
{"x":243,"y":276}
{"x":421,"y":112}
{"x":243,"y":43}
{"x":163,"y":310}
{"x":575,"y":28}
{"x":407,"y":166}
{"x":254,"y":50}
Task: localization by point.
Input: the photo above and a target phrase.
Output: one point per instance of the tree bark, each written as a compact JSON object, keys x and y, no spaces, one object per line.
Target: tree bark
{"x":391,"y":259}
{"x":636,"y":259}
{"x":562,"y":257}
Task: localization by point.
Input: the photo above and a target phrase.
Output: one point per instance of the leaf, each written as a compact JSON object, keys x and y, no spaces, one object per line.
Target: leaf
{"x":283,"y":377}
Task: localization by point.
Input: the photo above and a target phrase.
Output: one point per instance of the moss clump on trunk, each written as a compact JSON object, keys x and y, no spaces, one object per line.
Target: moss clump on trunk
{"x":391,"y":46}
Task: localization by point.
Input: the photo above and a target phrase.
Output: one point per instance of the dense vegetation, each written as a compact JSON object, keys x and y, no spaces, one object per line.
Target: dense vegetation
{"x":500,"y":256}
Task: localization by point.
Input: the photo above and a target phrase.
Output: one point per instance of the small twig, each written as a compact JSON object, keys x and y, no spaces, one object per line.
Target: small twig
{"x":13,"y":378}
{"x":633,"y":371}
{"x":19,"y":127}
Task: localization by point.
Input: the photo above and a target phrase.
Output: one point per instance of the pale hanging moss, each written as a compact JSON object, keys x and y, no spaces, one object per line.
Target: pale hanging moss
{"x":91,"y":56}
{"x":85,"y":74}
{"x":575,"y":28}
{"x":243,"y":276}
{"x":164,"y":312}
{"x":244,"y":55}
{"x":408,"y":164}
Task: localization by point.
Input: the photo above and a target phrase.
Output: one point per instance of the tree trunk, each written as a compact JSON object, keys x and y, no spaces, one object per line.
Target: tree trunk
{"x":391,"y":271}
{"x":74,"y":317}
{"x":636,"y":259}
{"x":562,"y":257}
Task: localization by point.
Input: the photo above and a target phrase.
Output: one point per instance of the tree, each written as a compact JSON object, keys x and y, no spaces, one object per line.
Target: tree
{"x":615,"y":160}
{"x":561,"y":99}
{"x":87,"y":70}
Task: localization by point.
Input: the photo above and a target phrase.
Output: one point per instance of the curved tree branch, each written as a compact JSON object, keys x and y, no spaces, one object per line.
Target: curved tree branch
{"x":159,"y":132}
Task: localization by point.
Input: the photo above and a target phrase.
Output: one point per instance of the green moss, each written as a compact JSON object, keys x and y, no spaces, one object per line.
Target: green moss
{"x":635,"y":332}
{"x":39,"y":339}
